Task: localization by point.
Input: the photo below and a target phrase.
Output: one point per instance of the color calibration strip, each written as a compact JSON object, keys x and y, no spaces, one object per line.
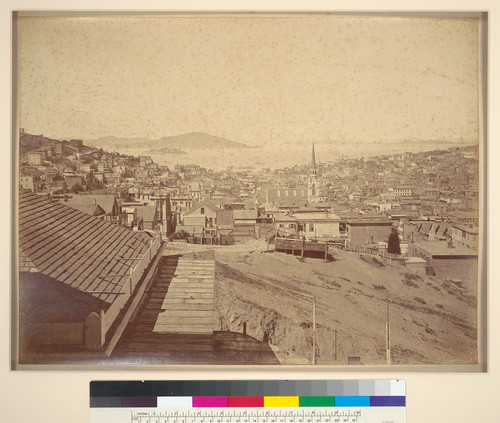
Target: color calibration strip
{"x":250,"y":402}
{"x":248,"y":394}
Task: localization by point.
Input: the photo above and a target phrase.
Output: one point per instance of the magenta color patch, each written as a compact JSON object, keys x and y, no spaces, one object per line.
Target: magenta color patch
{"x":209,"y":401}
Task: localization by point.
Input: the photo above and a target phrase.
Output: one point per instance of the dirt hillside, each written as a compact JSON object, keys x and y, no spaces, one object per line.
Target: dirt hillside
{"x":432,"y":321}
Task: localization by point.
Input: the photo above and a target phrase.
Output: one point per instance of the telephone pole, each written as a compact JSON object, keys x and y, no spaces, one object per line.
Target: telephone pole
{"x":388,"y":336}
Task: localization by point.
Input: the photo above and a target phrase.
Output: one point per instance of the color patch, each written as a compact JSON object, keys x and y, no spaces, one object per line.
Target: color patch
{"x":351,"y":401}
{"x":316,"y":401}
{"x":175,"y":402}
{"x":245,"y":402}
{"x":209,"y":401}
{"x":139,"y":402}
{"x":281,"y":401}
{"x":386,"y":401}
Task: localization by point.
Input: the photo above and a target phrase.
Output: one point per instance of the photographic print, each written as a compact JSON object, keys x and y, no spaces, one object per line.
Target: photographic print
{"x":265,"y":189}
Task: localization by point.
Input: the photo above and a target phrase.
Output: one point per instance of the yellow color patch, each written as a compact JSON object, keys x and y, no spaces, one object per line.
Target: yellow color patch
{"x":281,"y":401}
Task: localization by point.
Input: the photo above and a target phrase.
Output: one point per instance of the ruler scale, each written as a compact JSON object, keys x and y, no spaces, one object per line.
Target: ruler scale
{"x":380,"y":401}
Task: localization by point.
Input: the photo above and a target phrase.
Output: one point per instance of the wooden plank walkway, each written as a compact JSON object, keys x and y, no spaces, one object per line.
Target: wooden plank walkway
{"x":188,"y":306}
{"x":174,"y":324}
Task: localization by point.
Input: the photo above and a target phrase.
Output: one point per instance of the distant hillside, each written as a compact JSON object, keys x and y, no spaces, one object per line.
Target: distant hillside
{"x":176,"y":144}
{"x":29,"y":142}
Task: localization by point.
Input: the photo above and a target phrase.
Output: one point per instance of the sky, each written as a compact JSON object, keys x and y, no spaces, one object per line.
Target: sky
{"x":260,"y":80}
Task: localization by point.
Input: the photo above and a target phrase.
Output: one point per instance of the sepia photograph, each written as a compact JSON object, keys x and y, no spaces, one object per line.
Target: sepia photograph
{"x":299,"y":189}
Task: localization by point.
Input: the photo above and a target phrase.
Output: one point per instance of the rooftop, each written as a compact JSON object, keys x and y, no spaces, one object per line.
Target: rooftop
{"x":76,"y":249}
{"x":441,"y":248}
{"x":245,"y":214}
{"x":106,"y":201}
{"x":148,"y":213}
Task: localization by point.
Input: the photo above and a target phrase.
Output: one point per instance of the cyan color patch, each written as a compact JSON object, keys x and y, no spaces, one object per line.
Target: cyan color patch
{"x":349,"y":401}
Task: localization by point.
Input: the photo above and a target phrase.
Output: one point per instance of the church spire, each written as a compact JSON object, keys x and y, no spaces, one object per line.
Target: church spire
{"x":313,"y":162}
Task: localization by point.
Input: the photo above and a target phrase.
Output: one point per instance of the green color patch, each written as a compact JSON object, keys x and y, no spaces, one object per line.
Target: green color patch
{"x":316,"y":401}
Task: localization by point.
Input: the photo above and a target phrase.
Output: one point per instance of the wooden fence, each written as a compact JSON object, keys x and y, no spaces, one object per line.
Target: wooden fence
{"x":375,"y":252}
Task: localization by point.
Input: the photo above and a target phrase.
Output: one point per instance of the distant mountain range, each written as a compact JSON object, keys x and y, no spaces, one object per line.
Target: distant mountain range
{"x":173,"y":145}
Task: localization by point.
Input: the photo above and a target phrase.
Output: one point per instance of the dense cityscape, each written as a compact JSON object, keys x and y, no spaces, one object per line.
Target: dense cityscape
{"x":414,"y":216}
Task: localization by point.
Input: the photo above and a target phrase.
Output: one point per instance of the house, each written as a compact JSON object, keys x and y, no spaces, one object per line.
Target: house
{"x":297,"y":196}
{"x":133,"y":220}
{"x":368,"y":231}
{"x":205,"y":209}
{"x":36,"y":157}
{"x":245,"y":217}
{"x":447,"y":261}
{"x":77,"y":273}
{"x":108,"y":202}
{"x":32,"y":183}
{"x":149,"y":215}
{"x":244,"y":222}
{"x":225,"y":227}
{"x":309,"y":223}
{"x":317,"y":224}
{"x":468,"y":236}
{"x":462,"y":217}
{"x":194,"y":224}
{"x":195,"y":190}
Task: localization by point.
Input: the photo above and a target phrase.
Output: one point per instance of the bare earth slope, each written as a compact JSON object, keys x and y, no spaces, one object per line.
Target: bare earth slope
{"x":432,"y":321}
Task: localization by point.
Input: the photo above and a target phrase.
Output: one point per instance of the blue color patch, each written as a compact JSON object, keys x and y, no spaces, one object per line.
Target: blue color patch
{"x":351,"y":401}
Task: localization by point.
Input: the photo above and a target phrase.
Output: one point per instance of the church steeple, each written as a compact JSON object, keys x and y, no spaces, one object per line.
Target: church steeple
{"x":313,"y":162}
{"x":312,"y":186}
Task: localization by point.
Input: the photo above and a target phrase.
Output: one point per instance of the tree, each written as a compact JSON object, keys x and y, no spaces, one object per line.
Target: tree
{"x":393,"y":246}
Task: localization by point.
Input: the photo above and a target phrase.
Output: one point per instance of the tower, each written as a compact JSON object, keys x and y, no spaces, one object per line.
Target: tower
{"x":312,"y":185}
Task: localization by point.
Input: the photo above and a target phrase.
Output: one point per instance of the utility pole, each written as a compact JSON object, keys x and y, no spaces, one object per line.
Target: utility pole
{"x":314,"y":332}
{"x":335,"y":344}
{"x":388,"y":336}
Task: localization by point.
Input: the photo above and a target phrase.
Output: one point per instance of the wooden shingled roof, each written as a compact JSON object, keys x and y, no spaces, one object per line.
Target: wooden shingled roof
{"x":76,"y":249}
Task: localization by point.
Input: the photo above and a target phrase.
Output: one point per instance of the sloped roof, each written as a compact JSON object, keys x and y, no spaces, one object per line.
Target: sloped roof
{"x":147,"y":213}
{"x":106,"y":201}
{"x":76,"y":249}
{"x":204,"y":203}
{"x":92,"y":209}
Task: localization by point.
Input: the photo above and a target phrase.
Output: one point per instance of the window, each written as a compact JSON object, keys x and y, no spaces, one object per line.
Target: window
{"x":311,"y":227}
{"x":202,"y":210}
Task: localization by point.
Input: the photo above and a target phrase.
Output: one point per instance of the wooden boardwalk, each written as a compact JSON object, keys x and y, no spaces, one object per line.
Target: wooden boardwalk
{"x":188,"y":306}
{"x":174,"y":324}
